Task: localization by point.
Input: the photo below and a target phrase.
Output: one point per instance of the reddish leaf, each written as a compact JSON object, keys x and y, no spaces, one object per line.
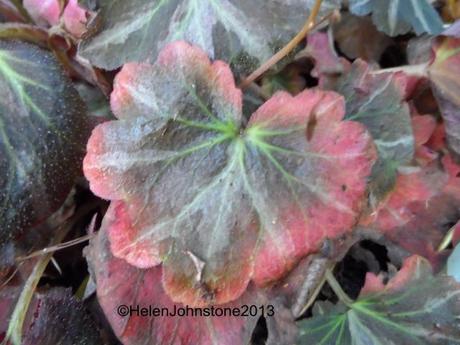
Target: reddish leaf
{"x":419,"y":186}
{"x":424,"y":127}
{"x":453,"y":171}
{"x":75,"y":18}
{"x":44,"y":12}
{"x":445,"y":76}
{"x":320,"y":47}
{"x":375,"y":284}
{"x":217,"y":202}
{"x":119,"y":283}
{"x":377,"y":101}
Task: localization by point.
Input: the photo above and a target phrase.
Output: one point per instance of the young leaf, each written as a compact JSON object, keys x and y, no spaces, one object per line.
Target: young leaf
{"x":43,"y":129}
{"x":244,"y":33}
{"x":217,"y":201}
{"x":74,"y":17}
{"x":397,"y":17}
{"x":119,"y":283}
{"x":415,"y":307}
{"x":44,"y":12}
{"x":445,"y":76}
{"x":320,"y":47}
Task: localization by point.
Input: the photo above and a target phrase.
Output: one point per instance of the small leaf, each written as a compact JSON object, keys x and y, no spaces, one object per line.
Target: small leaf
{"x":193,"y":184}
{"x":241,"y":32}
{"x":74,"y":18}
{"x":43,"y":129}
{"x":415,"y":307}
{"x":320,"y":47}
{"x":397,"y":17}
{"x":358,"y":37}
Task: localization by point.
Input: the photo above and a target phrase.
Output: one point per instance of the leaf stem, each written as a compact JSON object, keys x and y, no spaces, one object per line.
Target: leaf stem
{"x":56,"y":247}
{"x":308,"y":26}
{"x":16,"y":323}
{"x":420,"y":70}
{"x":22,"y":10}
{"x":447,"y":239}
{"x":335,"y":286}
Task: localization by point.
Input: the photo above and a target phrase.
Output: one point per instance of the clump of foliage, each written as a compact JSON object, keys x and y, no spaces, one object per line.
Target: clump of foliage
{"x":300,"y":156}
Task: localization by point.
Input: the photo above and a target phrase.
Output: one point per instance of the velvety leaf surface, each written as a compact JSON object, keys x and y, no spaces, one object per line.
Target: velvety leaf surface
{"x":237,"y":31}
{"x":415,"y":307}
{"x":397,"y":17}
{"x":54,"y":317}
{"x":119,"y":283}
{"x":445,"y":76}
{"x":377,"y":101}
{"x":43,"y":129}
{"x":219,"y":202}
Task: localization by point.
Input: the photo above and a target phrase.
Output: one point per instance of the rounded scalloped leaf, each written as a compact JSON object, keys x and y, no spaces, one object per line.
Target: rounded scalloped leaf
{"x":43,"y":131}
{"x":119,"y":283}
{"x":210,"y":197}
{"x":377,"y":101}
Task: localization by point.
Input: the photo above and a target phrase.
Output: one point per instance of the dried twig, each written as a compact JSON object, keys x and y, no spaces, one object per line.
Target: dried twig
{"x":309,"y":25}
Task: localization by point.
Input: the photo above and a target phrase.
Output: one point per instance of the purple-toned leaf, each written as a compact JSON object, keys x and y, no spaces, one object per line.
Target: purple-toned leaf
{"x":216,"y":201}
{"x":43,"y":130}
{"x":444,"y":74}
{"x":119,"y":283}
{"x":54,"y":317}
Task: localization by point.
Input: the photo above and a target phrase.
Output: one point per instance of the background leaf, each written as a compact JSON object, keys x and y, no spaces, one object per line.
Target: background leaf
{"x":377,"y":101}
{"x":54,"y":317}
{"x":397,"y":17}
{"x":43,"y":130}
{"x":444,"y":74}
{"x":241,"y":33}
{"x":415,"y":307}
